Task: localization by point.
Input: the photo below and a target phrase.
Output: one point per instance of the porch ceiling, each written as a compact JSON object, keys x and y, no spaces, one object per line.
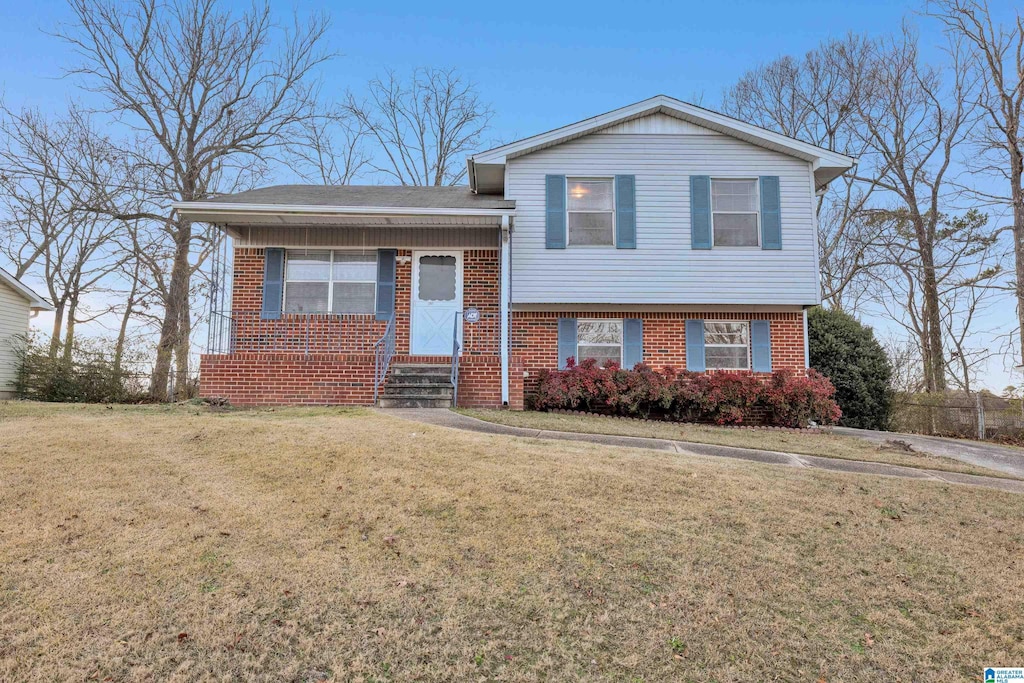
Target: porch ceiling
{"x":234,"y":223}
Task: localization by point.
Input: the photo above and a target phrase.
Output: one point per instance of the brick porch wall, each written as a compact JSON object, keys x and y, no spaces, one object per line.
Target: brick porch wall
{"x":535,"y":338}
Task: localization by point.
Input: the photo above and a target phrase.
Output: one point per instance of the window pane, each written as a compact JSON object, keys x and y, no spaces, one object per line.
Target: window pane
{"x":725,"y":333}
{"x":734,"y":195}
{"x":437,"y":278}
{"x":602,"y":354}
{"x":590,"y":228}
{"x":599,"y":332}
{"x":735,"y":230}
{"x":305,"y":297}
{"x":312,"y":265}
{"x":726,"y":357}
{"x":358,"y":267}
{"x":590,"y":195}
{"x":354,"y":297}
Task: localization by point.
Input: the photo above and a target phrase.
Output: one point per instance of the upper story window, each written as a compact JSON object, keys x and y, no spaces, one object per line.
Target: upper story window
{"x":727,"y":345}
{"x":600,"y":340}
{"x":735,"y":214}
{"x":591,"y":207}
{"x":330,"y":282}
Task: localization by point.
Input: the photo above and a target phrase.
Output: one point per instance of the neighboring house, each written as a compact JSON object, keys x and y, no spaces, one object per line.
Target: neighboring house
{"x":18,"y":303}
{"x":660,"y":232}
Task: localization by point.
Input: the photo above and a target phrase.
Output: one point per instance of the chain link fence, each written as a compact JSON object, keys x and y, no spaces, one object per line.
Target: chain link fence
{"x":974,"y":416}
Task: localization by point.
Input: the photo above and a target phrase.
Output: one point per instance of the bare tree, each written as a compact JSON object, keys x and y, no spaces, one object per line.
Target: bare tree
{"x":995,"y":52}
{"x":914,"y":123}
{"x":207,"y":101}
{"x":814,"y":99}
{"x":424,"y":127}
{"x":330,"y":149}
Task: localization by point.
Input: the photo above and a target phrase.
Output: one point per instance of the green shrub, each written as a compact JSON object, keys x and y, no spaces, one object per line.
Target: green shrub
{"x":89,"y":376}
{"x":846,"y":351}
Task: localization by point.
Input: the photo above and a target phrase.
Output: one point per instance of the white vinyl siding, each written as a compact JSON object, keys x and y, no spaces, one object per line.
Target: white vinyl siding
{"x":663,"y":269}
{"x":14,"y":316}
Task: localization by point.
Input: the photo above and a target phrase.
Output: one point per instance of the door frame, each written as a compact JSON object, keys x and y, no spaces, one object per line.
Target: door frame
{"x":414,"y":292}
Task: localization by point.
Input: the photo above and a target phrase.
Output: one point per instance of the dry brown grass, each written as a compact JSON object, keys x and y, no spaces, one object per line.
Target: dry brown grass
{"x":824,"y":444}
{"x":176,"y":544}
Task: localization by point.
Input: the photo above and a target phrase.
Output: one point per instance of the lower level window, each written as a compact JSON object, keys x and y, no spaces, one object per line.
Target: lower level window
{"x":600,"y":340}
{"x":324,"y":281}
{"x":727,"y":345}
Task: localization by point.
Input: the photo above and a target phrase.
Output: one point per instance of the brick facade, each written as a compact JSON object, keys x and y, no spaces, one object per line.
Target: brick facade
{"x":329,"y":359}
{"x":535,"y":337}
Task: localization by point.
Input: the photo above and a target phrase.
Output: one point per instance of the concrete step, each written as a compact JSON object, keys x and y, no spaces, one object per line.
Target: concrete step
{"x":406,"y":402}
{"x":420,"y":369}
{"x":419,"y":390}
{"x":414,"y":380}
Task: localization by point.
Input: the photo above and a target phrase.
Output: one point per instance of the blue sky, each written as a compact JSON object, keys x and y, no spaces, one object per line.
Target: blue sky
{"x":540,"y":64}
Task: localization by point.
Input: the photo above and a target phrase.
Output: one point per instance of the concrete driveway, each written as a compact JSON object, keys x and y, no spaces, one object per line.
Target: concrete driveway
{"x":993,"y":456}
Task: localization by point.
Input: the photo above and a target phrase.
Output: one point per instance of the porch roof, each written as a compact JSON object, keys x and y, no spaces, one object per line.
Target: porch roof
{"x":350,"y":206}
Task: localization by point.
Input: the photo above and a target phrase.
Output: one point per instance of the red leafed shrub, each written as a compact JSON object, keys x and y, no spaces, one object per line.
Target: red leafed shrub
{"x":721,"y":398}
{"x":795,"y":401}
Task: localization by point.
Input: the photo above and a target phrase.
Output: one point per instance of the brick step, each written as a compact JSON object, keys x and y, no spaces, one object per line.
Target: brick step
{"x":407,"y":402}
{"x":419,"y":390}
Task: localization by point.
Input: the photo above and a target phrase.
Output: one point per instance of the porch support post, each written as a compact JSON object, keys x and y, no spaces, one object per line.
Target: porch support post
{"x":504,"y":293}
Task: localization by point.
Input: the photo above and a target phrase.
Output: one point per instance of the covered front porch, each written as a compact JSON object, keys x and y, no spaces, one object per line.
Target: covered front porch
{"x":324,"y":301}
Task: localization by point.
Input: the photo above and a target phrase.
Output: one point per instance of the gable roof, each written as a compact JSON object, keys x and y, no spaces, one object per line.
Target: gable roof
{"x":486,"y":169}
{"x":35,"y":302}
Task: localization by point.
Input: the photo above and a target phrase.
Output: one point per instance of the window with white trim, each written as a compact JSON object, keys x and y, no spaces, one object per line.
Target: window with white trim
{"x":735,"y":212}
{"x":600,"y":340}
{"x":325,"y":281}
{"x":726,"y":345}
{"x":591,"y":211}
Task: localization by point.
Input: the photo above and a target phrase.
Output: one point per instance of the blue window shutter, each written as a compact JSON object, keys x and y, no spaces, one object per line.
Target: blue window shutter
{"x":566,"y":340}
{"x":761,"y":345}
{"x":273,"y":283}
{"x":695,"y":345}
{"x":771,"y":213}
{"x":386,"y":283}
{"x":632,"y":342}
{"x":555,"y":211}
{"x":700,"y":212}
{"x":625,"y":212}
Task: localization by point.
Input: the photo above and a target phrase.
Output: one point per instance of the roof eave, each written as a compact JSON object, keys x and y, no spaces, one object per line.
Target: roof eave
{"x":187,"y":208}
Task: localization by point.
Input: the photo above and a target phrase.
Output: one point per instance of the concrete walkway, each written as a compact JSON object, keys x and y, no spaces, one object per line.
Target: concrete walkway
{"x":989,"y":455}
{"x":442,"y":417}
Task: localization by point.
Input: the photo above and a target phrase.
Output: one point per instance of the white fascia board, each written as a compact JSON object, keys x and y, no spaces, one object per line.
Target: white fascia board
{"x":668,"y":105}
{"x":231,"y":208}
{"x":35,"y":302}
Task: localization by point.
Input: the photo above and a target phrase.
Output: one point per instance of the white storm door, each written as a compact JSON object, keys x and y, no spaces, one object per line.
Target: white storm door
{"x":436,"y":301}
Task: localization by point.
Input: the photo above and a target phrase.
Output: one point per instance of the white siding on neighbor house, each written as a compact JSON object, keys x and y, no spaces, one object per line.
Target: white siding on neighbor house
{"x":663,"y":269}
{"x":14,"y":315}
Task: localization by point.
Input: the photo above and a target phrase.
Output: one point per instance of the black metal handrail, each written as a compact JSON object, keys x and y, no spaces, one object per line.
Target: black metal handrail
{"x":454,"y":376}
{"x":383,"y":352}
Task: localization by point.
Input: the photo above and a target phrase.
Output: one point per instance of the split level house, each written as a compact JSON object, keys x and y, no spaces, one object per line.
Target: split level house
{"x":660,"y":232}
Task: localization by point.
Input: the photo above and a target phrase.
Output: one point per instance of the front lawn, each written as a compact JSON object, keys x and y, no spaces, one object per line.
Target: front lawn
{"x":822,"y":444}
{"x":155,"y":543}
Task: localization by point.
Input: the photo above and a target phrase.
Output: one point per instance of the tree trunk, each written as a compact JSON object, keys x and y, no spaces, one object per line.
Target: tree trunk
{"x":175,"y":306}
{"x":122,"y":332}
{"x":1017,"y":198}
{"x":69,"y":332}
{"x":181,"y":353}
{"x":58,"y":325}
{"x":935,"y":361}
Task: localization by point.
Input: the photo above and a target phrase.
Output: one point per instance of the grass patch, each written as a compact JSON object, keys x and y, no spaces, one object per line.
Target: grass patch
{"x":824,"y":444}
{"x":182,"y":544}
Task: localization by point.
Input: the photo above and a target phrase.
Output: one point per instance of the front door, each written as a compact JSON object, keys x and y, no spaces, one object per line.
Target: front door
{"x":436,"y":301}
